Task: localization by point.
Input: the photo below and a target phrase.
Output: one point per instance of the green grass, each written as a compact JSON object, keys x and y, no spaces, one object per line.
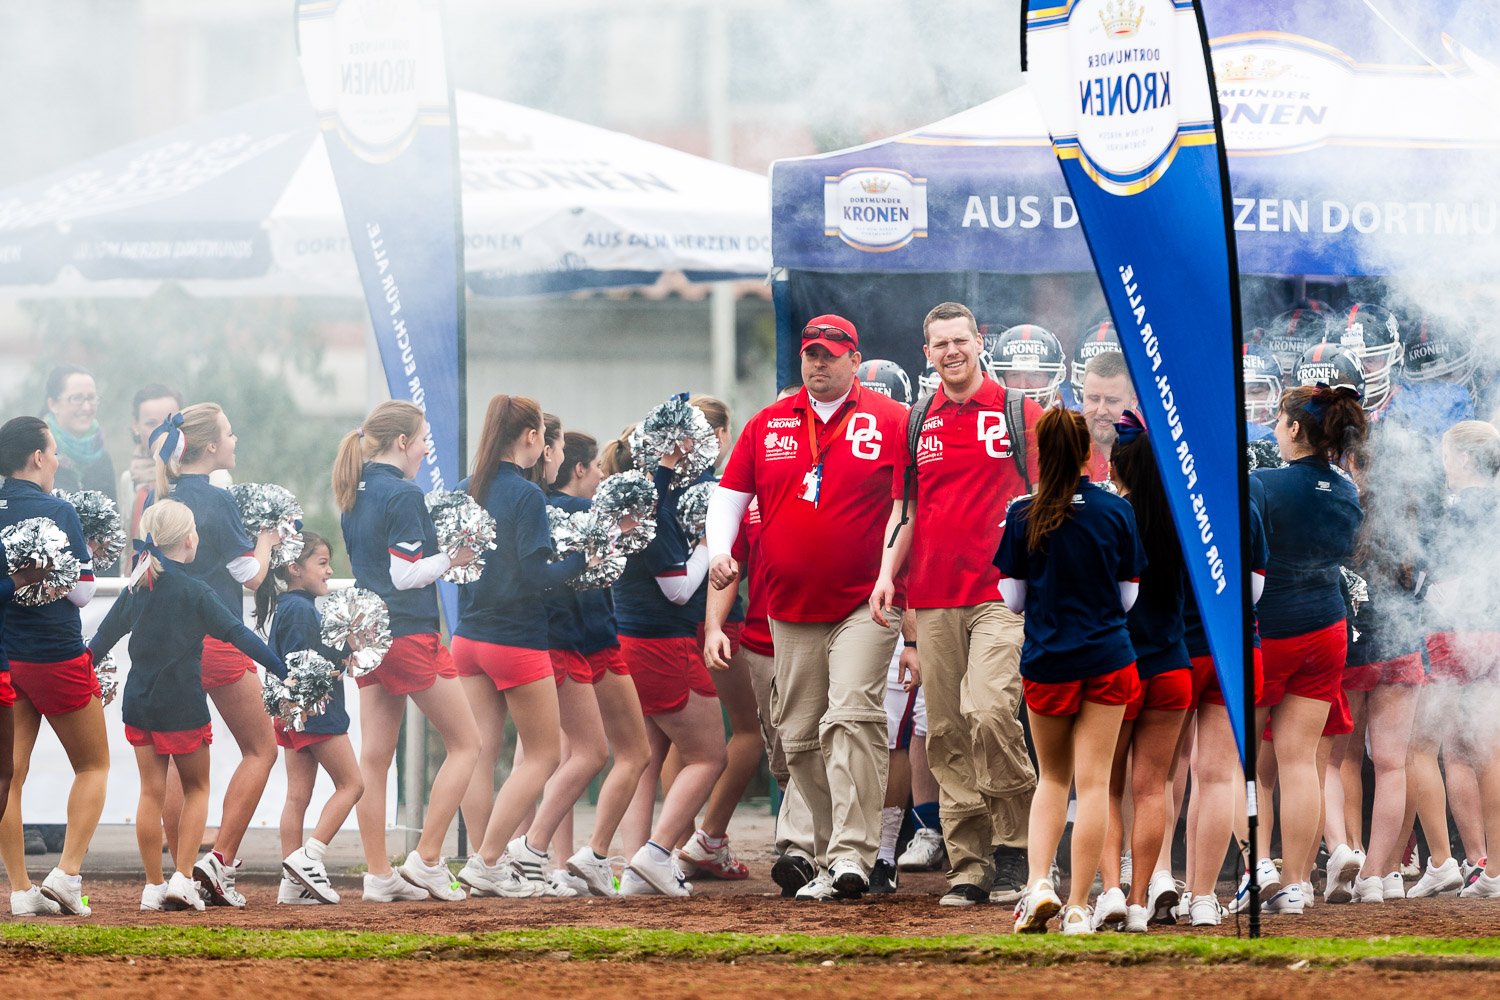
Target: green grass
{"x":629,"y":944}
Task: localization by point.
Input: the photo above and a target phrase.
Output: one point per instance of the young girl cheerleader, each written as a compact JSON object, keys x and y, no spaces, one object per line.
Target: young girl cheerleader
{"x":1312,"y":515}
{"x":52,"y":677}
{"x":1154,"y":719}
{"x":189,"y":447}
{"x":393,"y":551}
{"x":500,"y":647}
{"x":167,"y":613}
{"x":291,"y":592}
{"x":1071,"y":557}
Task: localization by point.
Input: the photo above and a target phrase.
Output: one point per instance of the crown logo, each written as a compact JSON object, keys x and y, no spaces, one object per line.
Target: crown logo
{"x":1250,"y":68}
{"x":1120,"y":20}
{"x":875,"y":185}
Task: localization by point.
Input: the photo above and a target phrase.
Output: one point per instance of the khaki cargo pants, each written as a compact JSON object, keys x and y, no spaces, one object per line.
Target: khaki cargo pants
{"x":970,"y":659}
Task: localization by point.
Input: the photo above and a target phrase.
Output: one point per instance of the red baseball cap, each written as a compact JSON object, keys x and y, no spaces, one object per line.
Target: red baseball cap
{"x":834,"y":332}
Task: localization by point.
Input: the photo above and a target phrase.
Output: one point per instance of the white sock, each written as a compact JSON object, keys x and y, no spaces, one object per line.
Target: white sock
{"x":890,"y":829}
{"x":314,"y":849}
{"x":533,"y":850}
{"x":714,"y":843}
{"x":657,"y":849}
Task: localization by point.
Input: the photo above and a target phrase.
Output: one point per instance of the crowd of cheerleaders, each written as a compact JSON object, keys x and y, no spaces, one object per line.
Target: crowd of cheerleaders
{"x":1115,"y":665}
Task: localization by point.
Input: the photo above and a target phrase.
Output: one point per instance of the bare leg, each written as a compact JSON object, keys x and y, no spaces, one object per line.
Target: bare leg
{"x":1154,"y":747}
{"x":1334,"y":830}
{"x":489,"y":722}
{"x":171,"y":813}
{"x":380,"y":728}
{"x":578,"y":711}
{"x":301,"y":775}
{"x":1351,"y":770}
{"x":744,"y":748}
{"x":86,"y":743}
{"x":336,"y":756}
{"x":7,"y":754}
{"x":533,"y":708}
{"x":1094,"y":737}
{"x":697,"y":731}
{"x":1298,"y":723}
{"x":1177,"y":776}
{"x":244,"y":712}
{"x":447,"y":709}
{"x":12,"y":841}
{"x":1462,"y":782}
{"x":1391,"y":710}
{"x":1216,"y":774}
{"x":153,"y":776}
{"x":1114,"y":831}
{"x":624,"y":726}
{"x":193,"y":768}
{"x":924,"y":786}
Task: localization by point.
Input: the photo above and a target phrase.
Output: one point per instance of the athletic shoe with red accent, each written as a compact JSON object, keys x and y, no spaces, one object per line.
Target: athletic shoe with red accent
{"x":1037,"y":906}
{"x":702,"y":859}
{"x":217,"y":880}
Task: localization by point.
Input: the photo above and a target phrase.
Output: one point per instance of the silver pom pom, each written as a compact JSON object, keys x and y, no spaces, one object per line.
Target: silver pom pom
{"x":1359,"y":590}
{"x":38,"y":541}
{"x":461,"y":523}
{"x":1264,"y":454}
{"x":107,"y":674}
{"x":357,"y":620}
{"x":669,"y":426}
{"x":268,"y":507}
{"x":567,"y":533}
{"x":595,"y":536}
{"x":304,"y":693}
{"x":627,"y":500}
{"x":101,"y":525}
{"x":692,"y":510}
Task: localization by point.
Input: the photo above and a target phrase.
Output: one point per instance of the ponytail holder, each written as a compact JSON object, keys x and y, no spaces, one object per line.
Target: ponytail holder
{"x":143,"y":551}
{"x":361,"y":432}
{"x":176,"y":444}
{"x":1129,"y":428}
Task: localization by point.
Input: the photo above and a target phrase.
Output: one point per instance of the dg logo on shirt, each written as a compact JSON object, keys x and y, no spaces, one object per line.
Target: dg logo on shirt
{"x":863,"y":436}
{"x":992,"y":432}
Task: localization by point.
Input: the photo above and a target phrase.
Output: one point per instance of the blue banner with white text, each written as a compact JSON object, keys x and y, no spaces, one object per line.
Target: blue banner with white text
{"x":1126,"y":91}
{"x":377,"y":78}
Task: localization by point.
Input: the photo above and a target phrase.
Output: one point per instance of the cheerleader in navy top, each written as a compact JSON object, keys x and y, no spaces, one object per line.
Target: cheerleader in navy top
{"x":1154,"y":718}
{"x":598,"y":707}
{"x":167,"y":612}
{"x":52,"y":675}
{"x":1312,"y":513}
{"x":8,"y":587}
{"x":500,"y":646}
{"x":188,"y":448}
{"x":393,"y":551}
{"x":291,"y":592}
{"x":1070,"y":557}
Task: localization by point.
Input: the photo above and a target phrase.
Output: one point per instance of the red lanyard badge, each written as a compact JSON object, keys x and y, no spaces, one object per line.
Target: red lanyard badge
{"x":812,"y":483}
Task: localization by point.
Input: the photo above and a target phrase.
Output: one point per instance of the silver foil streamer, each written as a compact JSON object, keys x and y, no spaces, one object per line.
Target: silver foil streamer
{"x":107,"y":674}
{"x":1359,"y":590}
{"x":101,"y":525}
{"x":670,"y":425}
{"x":268,"y":507}
{"x":38,"y":541}
{"x":628,"y":496}
{"x":461,"y":523}
{"x":304,"y":693}
{"x":566,"y":531}
{"x":357,"y":620}
{"x":595,"y":536}
{"x":692,"y":510}
{"x":1263,"y":454}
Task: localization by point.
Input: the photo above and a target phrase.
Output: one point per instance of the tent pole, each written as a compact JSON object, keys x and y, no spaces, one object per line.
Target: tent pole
{"x":720,"y":142}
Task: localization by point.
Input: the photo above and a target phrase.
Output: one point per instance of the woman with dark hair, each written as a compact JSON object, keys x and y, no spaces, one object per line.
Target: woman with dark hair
{"x":72,"y":415}
{"x":52,"y":675}
{"x":1071,"y":558}
{"x":1154,"y":718}
{"x":1312,"y":515}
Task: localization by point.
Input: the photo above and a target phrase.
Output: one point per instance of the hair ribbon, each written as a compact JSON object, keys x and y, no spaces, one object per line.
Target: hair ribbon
{"x":176,"y":444}
{"x":1129,"y":428}
{"x":143,"y":552}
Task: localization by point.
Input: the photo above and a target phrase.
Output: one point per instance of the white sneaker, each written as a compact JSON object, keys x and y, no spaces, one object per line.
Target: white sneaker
{"x":1483,"y":887}
{"x":819,"y":890}
{"x":1444,"y":878}
{"x":217,"y":880}
{"x":289,"y":892}
{"x":153,"y":896}
{"x":531,"y":865}
{"x":310,"y":874}
{"x":564,"y":886}
{"x":1127,"y":871}
{"x":925,"y":853}
{"x":1205,"y":911}
{"x":663,"y":876}
{"x":67,"y":892}
{"x":1037,"y":906}
{"x":1075,"y":920}
{"x":183,"y":894}
{"x":1368,"y":890}
{"x":32,"y":903}
{"x":502,"y":879}
{"x":699,"y":858}
{"x":1110,"y":910}
{"x":1269,"y":877}
{"x":1136,"y":920}
{"x":390,"y":888}
{"x":1393,"y":887}
{"x":632,"y":884}
{"x":598,"y":874}
{"x":1343,"y":866}
{"x":1287,"y":901}
{"x":1184,"y":903}
{"x":436,"y":879}
{"x":849,"y":878}
{"x":1411,"y":869}
{"x":1308,"y":896}
{"x":1162,"y":898}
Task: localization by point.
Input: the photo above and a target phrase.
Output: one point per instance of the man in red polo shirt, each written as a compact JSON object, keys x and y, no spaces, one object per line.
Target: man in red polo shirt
{"x":969,"y":641}
{"x":821,"y":464}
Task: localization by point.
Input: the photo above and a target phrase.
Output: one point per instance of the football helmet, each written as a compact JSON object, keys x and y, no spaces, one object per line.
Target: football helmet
{"x":1332,"y":365}
{"x":1438,"y":350}
{"x":1262,"y":374}
{"x":1373,"y":335}
{"x":886,"y":378}
{"x":1293,"y":332}
{"x":1028,"y":349}
{"x":1100,"y":337}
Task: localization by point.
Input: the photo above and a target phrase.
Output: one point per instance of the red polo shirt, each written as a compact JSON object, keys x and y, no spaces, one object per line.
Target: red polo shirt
{"x":822,"y":560}
{"x":755,"y":634}
{"x":1098,"y":464}
{"x":966,"y":477}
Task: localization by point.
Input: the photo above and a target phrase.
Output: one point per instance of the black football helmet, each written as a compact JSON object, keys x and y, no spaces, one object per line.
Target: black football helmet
{"x":1439,"y":350}
{"x":1100,"y":337}
{"x":1373,"y":334}
{"x":886,"y":378}
{"x":1262,"y":373}
{"x":1293,"y":332}
{"x":1030,"y":349}
{"x":1332,"y":365}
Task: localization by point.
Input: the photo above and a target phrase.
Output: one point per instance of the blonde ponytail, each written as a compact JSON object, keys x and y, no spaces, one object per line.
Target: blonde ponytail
{"x":199,"y":429}
{"x":381,"y":428}
{"x":167,"y":523}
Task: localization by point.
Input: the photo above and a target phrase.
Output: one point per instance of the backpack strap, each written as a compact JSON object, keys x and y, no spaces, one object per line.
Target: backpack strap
{"x":1015,"y":421}
{"x":914,"y":423}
